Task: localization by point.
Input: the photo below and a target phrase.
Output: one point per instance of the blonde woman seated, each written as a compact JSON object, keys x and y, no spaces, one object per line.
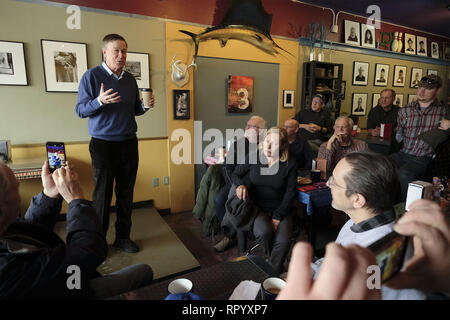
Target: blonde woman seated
{"x":270,"y":183}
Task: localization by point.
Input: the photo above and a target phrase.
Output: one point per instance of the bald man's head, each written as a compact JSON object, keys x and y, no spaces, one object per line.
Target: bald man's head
{"x":291,"y":126}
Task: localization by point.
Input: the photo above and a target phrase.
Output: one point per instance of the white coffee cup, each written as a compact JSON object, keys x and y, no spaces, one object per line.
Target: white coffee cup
{"x":180,"y":286}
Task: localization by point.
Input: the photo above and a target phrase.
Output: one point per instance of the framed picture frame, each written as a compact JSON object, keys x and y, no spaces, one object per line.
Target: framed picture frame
{"x":416,"y":75}
{"x":360,"y":73}
{"x":410,"y":43}
{"x":422,"y":46}
{"x":13,"y":70}
{"x":431,"y":71}
{"x":412,"y":98}
{"x":352,"y":33}
{"x":381,"y":77}
{"x":399,"y":76}
{"x":288,"y":98}
{"x":138,"y":64}
{"x":359,"y":104}
{"x":435,"y":50}
{"x":399,"y":100}
{"x":446,"y":51}
{"x":375,"y":98}
{"x":181,"y":104}
{"x":367,"y":36}
{"x":64,"y":64}
{"x":240,"y":94}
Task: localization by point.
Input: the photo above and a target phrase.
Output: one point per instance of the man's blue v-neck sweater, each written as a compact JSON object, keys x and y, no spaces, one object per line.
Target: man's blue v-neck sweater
{"x":111,"y":122}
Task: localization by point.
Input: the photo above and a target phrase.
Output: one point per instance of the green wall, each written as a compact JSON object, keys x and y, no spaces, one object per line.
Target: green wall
{"x":29,"y":114}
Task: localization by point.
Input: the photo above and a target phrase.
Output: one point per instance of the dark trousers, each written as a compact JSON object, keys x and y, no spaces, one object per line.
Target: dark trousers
{"x":275,"y":243}
{"x":219,"y":201}
{"x":410,"y":168}
{"x":114,"y":160}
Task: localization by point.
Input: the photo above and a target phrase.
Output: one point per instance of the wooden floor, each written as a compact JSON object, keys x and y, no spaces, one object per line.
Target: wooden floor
{"x":188,"y":230}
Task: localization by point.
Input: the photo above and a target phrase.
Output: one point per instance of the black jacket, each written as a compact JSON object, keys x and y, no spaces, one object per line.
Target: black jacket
{"x":34,"y":261}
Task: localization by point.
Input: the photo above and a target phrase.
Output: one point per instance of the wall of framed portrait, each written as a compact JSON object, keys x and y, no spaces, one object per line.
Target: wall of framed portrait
{"x":366,"y":75}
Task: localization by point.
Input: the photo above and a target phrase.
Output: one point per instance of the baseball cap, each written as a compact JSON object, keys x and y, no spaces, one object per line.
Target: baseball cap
{"x":430,"y":82}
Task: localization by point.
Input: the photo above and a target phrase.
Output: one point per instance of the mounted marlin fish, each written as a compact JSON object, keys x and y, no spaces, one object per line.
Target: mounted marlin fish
{"x":245,"y":20}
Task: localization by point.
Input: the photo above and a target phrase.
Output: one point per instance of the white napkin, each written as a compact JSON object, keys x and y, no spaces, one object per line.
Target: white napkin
{"x":246,"y":290}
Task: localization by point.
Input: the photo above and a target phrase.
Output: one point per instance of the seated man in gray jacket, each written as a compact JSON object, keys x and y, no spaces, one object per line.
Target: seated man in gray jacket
{"x":36,"y":264}
{"x":364,"y":186}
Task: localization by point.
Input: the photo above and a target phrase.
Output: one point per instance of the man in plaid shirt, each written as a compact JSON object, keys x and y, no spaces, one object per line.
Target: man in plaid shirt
{"x":414,"y":158}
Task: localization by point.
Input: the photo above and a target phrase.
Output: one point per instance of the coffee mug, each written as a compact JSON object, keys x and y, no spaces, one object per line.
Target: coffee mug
{"x":271,"y":287}
{"x":315,"y":176}
{"x":180,"y":286}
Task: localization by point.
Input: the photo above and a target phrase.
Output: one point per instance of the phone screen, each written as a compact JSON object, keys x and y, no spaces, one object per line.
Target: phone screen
{"x":390,"y":253}
{"x":56,"y":155}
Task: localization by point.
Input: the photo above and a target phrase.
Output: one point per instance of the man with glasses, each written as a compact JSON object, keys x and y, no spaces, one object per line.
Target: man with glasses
{"x":237,"y":154}
{"x":415,"y":156}
{"x":363,"y":185}
{"x":384,"y":112}
{"x":340,"y":143}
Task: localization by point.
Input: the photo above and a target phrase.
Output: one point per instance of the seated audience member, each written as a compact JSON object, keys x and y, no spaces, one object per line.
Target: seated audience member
{"x":425,"y":114}
{"x":364,"y":186}
{"x":343,"y":274}
{"x":271,"y":186}
{"x":340,"y":143}
{"x":34,"y":261}
{"x":384,"y":112}
{"x":236,"y":155}
{"x":315,"y":122}
{"x":298,"y":147}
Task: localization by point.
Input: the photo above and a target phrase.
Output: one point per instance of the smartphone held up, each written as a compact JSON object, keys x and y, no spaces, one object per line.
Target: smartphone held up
{"x":56,"y":155}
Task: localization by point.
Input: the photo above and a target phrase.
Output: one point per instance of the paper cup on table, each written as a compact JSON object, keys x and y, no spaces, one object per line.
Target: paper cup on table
{"x":146,"y":96}
{"x":180,"y":286}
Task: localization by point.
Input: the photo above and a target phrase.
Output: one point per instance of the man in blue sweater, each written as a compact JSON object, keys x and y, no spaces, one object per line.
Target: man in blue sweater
{"x":109,"y":97}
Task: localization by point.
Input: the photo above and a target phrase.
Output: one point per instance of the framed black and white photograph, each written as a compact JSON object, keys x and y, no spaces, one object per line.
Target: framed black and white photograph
{"x":435,"y":50}
{"x":410,"y":43}
{"x":422,"y":46}
{"x":416,"y":75}
{"x":412,"y":98}
{"x":343,"y":86}
{"x":375,"y":99}
{"x":181,"y":104}
{"x":13,"y":69}
{"x":399,"y":76}
{"x":64,"y":65}
{"x":288,"y":98}
{"x":138,"y":64}
{"x":359,"y":104}
{"x":431,"y":71}
{"x":381,"y":75}
{"x":352,"y":32}
{"x":367,"y":36}
{"x":399,"y":100}
{"x":360,"y":73}
{"x":446,"y":51}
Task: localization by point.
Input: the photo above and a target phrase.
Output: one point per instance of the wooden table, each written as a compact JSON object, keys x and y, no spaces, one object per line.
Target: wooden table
{"x":213,"y":283}
{"x":376,"y":144}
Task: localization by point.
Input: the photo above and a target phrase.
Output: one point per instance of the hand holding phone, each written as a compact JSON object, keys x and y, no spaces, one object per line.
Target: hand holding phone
{"x":390,"y":253}
{"x":56,"y":155}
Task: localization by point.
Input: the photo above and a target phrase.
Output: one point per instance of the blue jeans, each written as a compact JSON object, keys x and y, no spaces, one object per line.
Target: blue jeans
{"x":410,"y":168}
{"x":127,"y":279}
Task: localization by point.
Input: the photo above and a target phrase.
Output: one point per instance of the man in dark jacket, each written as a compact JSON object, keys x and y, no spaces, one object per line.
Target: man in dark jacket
{"x":36,"y":264}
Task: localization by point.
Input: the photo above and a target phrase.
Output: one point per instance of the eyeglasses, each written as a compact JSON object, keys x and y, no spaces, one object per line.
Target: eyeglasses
{"x":249,"y":126}
{"x":331,"y":182}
